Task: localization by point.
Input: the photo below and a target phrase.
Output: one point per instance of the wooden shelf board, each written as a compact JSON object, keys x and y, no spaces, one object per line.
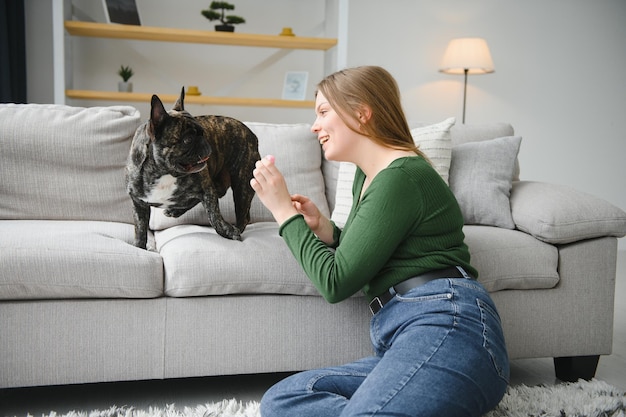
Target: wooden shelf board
{"x":171,"y":98}
{"x":151,"y":33}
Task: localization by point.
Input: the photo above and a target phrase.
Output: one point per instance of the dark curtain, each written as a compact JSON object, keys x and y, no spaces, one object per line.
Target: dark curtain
{"x":12,"y":52}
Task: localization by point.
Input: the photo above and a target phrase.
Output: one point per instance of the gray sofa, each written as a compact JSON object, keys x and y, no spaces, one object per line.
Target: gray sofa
{"x":79,"y":303}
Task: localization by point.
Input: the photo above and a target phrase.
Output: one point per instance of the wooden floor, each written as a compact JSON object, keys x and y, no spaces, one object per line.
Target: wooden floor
{"x":194,"y":391}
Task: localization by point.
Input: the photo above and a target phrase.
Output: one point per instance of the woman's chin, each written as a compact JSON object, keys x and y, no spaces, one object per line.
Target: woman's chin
{"x":328,"y":154}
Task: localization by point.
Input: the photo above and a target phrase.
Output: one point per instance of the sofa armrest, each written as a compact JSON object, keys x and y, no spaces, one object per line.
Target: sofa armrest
{"x":558,"y":214}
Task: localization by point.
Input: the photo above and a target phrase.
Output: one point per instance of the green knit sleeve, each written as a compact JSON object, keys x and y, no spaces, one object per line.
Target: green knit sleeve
{"x":382,"y":219}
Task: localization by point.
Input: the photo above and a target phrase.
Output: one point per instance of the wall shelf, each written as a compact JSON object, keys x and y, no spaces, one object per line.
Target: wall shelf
{"x":189,"y":99}
{"x":151,"y":33}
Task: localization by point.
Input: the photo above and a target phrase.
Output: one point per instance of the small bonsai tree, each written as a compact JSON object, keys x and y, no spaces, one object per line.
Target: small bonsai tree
{"x":125,"y":73}
{"x":227,"y":21}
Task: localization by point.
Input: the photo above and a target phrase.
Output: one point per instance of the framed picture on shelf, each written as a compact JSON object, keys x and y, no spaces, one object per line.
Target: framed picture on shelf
{"x":121,"y":11}
{"x":294,"y":87}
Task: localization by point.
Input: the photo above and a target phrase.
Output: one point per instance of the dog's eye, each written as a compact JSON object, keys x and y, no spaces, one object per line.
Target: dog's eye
{"x":187,"y":140}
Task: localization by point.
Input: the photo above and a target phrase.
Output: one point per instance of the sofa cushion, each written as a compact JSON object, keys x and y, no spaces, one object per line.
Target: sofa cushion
{"x":465,"y":133}
{"x":480,"y":178}
{"x":197,"y":262}
{"x":459,"y":133}
{"x":559,"y":214}
{"x":434,"y":140}
{"x":42,"y":259}
{"x":510,"y":259}
{"x":65,"y":163}
{"x":298,"y":156}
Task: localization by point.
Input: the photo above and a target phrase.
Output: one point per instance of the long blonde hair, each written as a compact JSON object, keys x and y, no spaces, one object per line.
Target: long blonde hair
{"x":349,"y":90}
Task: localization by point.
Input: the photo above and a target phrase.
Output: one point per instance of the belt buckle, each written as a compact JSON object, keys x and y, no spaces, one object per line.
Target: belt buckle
{"x":375,"y":305}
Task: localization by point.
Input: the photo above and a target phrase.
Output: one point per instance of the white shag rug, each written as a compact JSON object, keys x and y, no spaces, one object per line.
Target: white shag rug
{"x":581,"y":399}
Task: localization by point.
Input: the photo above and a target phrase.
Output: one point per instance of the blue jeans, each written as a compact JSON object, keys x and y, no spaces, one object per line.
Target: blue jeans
{"x":439,"y":352}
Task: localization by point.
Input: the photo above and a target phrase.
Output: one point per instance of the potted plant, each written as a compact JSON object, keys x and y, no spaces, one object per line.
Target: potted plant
{"x":227,"y":21}
{"x":125,"y":86}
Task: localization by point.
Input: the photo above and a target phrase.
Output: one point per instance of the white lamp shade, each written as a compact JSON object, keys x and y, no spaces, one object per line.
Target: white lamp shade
{"x":471,"y":54}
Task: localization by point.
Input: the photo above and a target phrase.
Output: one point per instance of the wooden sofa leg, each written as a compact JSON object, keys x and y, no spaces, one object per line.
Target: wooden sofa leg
{"x":573,"y":368}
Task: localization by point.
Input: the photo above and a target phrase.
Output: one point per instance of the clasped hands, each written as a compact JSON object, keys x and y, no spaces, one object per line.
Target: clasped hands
{"x":269,"y":184}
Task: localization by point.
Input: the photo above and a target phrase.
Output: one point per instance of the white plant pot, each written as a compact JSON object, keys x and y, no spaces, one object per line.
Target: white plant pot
{"x":125,"y":87}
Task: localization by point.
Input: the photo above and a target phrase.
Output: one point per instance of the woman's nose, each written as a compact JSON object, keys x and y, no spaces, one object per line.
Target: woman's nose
{"x":315,"y":127}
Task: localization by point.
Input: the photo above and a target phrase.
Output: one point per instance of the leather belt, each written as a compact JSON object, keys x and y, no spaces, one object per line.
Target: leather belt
{"x":405,"y":286}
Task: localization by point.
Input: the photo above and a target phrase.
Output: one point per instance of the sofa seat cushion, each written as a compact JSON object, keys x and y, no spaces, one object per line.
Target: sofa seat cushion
{"x":510,"y":259}
{"x":45,"y":259}
{"x":198,"y":262}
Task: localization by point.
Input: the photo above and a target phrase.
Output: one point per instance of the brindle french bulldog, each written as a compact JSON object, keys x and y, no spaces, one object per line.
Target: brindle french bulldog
{"x":177,"y":161}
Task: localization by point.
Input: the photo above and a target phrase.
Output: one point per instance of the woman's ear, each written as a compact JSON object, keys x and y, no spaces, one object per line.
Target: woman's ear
{"x":364,"y":114}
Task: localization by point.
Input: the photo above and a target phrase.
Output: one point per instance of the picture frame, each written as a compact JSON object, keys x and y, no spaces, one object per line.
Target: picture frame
{"x":121,"y":11}
{"x":295,"y":85}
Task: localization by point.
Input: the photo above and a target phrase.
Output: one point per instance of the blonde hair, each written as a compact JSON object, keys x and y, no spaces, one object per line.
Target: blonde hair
{"x":350,"y":90}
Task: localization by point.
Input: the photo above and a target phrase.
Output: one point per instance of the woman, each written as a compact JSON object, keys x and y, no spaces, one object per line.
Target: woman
{"x":436,"y":333}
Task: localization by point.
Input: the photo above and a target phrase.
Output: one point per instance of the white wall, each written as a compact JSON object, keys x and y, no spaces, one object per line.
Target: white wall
{"x":559,"y":70}
{"x":559,"y":77}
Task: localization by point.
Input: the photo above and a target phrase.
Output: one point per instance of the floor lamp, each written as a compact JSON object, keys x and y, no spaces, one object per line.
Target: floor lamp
{"x":467,"y":56}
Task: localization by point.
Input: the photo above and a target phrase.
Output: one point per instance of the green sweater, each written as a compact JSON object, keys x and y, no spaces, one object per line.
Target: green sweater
{"x":407,"y":223}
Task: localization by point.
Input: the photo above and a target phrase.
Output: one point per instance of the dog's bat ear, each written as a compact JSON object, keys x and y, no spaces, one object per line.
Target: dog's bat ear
{"x":157,"y":112}
{"x":180,"y":105}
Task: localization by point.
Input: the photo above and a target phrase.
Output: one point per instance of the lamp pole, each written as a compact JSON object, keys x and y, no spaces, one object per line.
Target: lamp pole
{"x":465,"y":71}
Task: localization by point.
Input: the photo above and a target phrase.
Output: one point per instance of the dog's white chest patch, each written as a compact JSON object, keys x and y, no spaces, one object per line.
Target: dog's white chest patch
{"x":162,"y":191}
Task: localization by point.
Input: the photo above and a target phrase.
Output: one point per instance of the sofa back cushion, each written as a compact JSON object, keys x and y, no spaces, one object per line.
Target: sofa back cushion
{"x":433,"y":140}
{"x":483,"y":131}
{"x":298,"y":156}
{"x":459,"y":134}
{"x":65,"y":163}
{"x":481,"y":176}
{"x":464,"y":133}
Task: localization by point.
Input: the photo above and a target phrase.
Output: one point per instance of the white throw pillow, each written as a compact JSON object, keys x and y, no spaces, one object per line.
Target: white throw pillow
{"x":434,"y":140}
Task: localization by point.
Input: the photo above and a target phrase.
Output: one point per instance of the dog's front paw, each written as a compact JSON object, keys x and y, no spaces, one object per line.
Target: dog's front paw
{"x":141,"y":244}
{"x":174,"y":212}
{"x":229,"y":231}
{"x":234,"y":235}
{"x":237,"y":236}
